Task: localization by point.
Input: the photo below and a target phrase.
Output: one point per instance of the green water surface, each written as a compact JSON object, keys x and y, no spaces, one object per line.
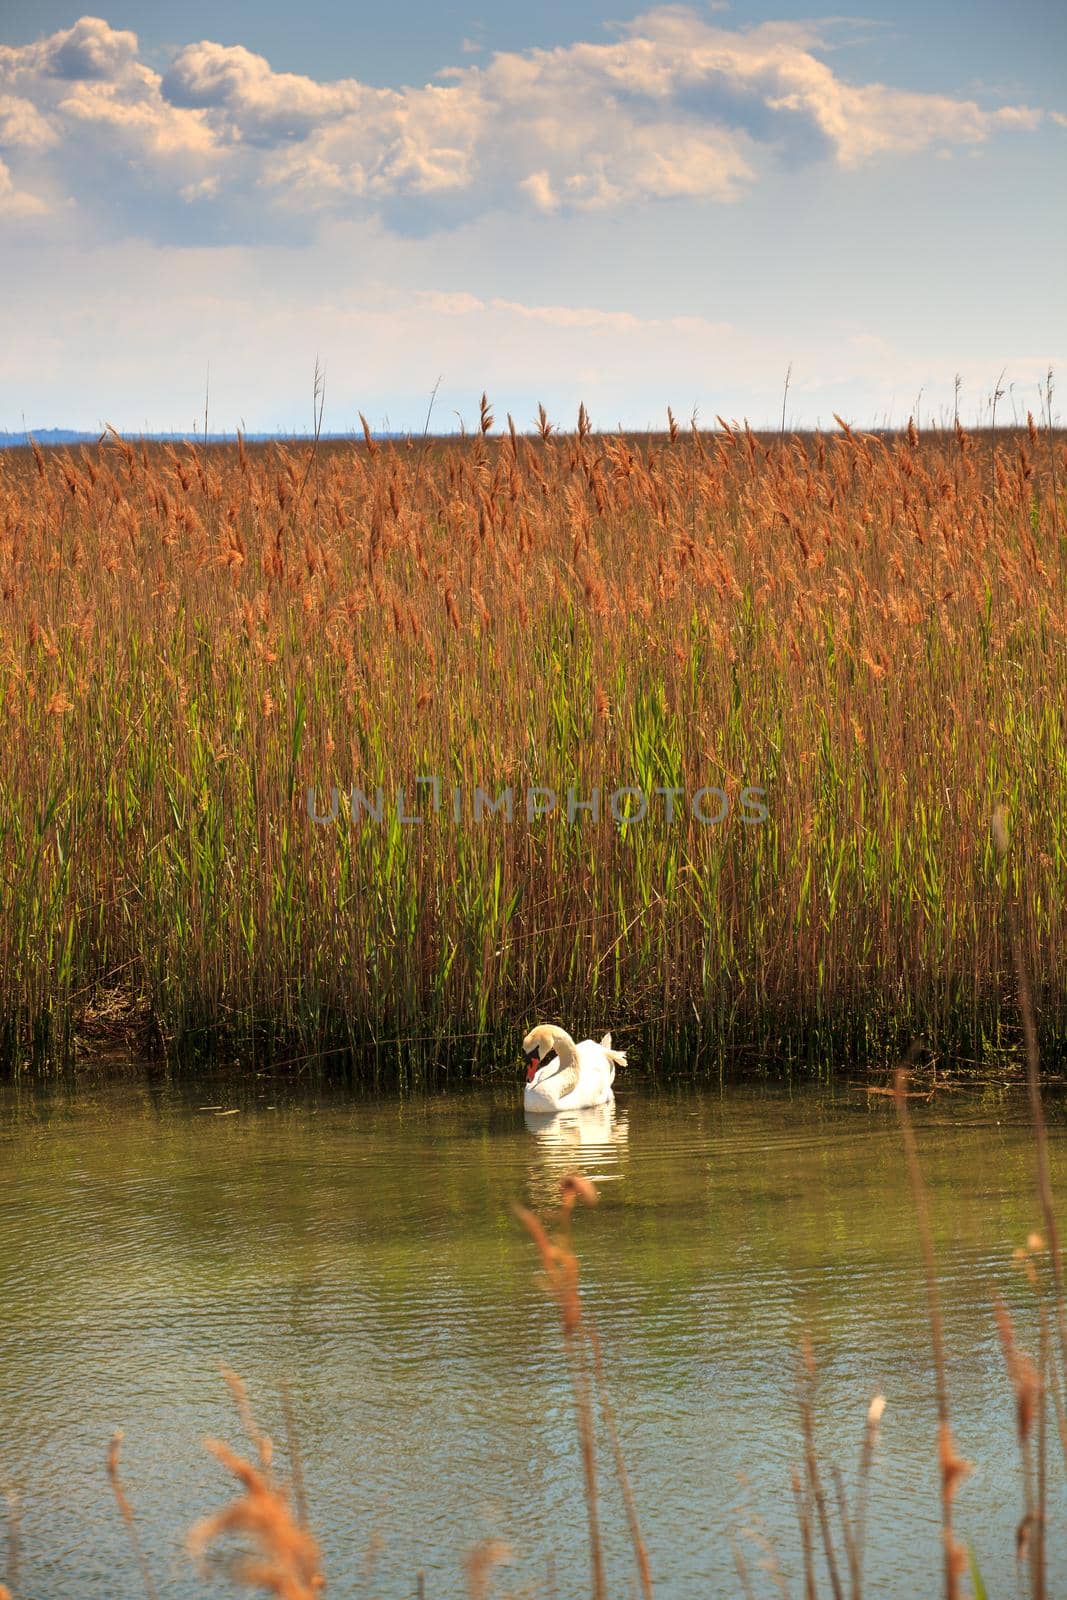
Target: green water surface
{"x":367,"y":1254}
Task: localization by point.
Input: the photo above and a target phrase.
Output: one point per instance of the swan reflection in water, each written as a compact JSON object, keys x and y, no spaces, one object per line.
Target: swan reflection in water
{"x":593,"y":1141}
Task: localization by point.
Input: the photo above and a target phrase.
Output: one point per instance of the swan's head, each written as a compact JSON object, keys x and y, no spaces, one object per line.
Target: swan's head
{"x":538,"y":1049}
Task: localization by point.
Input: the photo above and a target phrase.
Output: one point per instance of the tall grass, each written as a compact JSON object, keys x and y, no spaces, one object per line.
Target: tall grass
{"x":870,"y":629}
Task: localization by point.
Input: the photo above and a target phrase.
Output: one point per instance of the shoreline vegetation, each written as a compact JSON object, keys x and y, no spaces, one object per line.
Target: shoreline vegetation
{"x":869,"y":629}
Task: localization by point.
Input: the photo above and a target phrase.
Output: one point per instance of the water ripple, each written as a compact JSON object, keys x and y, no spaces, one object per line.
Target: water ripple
{"x":368,"y":1254}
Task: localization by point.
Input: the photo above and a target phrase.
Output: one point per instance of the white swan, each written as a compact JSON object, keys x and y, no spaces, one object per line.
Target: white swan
{"x":564,"y":1076}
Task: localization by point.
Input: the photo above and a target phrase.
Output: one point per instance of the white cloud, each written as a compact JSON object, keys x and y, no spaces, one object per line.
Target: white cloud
{"x":257,"y":103}
{"x":673,"y":106}
{"x":134,"y":125}
{"x":538,"y":187}
{"x":22,"y":124}
{"x":90,"y":50}
{"x":17,"y":202}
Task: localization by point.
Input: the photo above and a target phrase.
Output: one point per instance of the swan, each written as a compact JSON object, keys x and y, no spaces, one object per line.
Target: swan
{"x":564,"y":1076}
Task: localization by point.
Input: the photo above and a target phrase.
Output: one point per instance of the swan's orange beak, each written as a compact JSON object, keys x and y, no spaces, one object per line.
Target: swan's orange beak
{"x":533,"y":1061}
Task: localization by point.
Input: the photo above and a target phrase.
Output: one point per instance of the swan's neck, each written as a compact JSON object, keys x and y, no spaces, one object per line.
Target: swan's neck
{"x":565,"y":1049}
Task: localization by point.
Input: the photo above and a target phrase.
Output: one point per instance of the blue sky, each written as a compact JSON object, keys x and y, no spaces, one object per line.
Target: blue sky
{"x":633,"y":207}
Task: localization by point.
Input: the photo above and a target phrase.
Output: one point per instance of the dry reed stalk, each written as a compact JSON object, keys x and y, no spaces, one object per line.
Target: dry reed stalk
{"x":771,"y":1564}
{"x":1028,"y":1387}
{"x":11,"y":1501}
{"x":239,"y":1393}
{"x":126,"y":1510}
{"x":1052,"y":454}
{"x":369,"y":1562}
{"x":742,"y":1571}
{"x":1036,"y":1507}
{"x":875,"y":1412}
{"x":484,"y":1559}
{"x":1057,"y":1401}
{"x":848,"y":1534}
{"x":296,"y":1460}
{"x":1040,"y":1557}
{"x":951,"y":1466}
{"x":811,"y":1463}
{"x":1043,"y":1174}
{"x":560,"y":1266}
{"x":283,"y":1558}
{"x":608,"y":1413}
{"x":802,"y":1501}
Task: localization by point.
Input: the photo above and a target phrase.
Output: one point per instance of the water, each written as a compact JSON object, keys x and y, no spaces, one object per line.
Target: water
{"x":367,"y":1253}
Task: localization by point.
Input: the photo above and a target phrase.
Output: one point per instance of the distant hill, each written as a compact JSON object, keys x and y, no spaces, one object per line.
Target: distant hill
{"x":43,"y":436}
{"x":67,"y":436}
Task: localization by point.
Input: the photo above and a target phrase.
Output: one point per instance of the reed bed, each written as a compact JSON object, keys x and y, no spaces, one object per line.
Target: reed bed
{"x":869,"y":629}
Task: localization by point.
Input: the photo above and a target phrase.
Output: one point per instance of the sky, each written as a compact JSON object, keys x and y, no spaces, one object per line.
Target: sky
{"x":630,"y":207}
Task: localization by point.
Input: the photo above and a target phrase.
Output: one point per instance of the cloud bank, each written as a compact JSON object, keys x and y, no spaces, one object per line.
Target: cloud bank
{"x":220,"y":146}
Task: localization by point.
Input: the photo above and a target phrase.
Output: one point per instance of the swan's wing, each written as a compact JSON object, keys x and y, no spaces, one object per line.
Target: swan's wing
{"x":597,"y":1052}
{"x":565,"y":1081}
{"x":597,"y":1061}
